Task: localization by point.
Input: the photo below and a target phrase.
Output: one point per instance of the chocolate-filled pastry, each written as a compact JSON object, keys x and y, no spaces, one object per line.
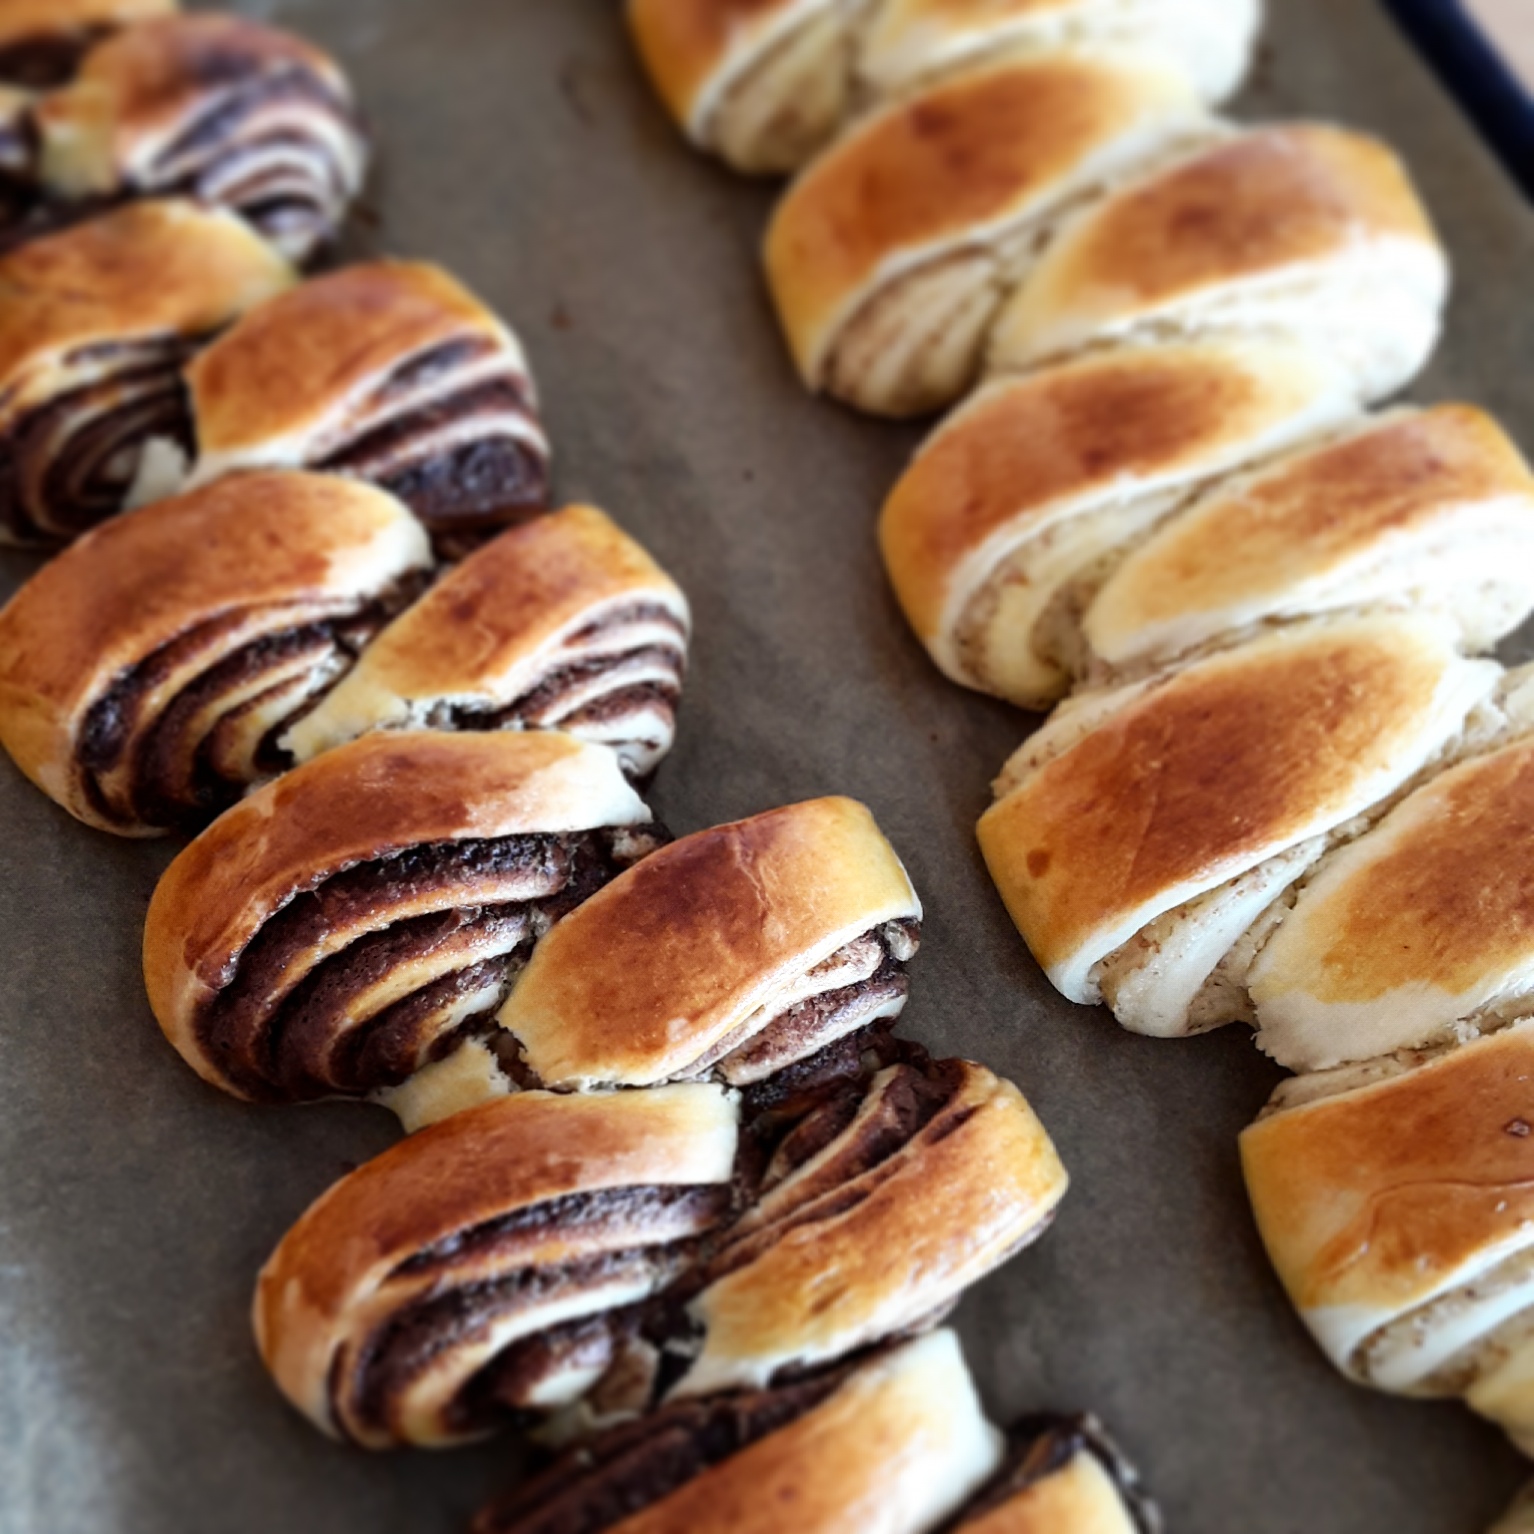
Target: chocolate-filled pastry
{"x":389,"y":371}
{"x":564,"y":623}
{"x":873,"y":1215}
{"x":96,"y":323}
{"x":1063,"y":1475}
{"x":1144,"y":838}
{"x":1302,"y":230}
{"x":765,"y":83}
{"x":1430,"y":508}
{"x":745,"y":952}
{"x":1397,"y":1203}
{"x":1017,"y":508}
{"x":364,"y":915}
{"x":43,"y":41}
{"x":215,"y":108}
{"x":147,"y":673}
{"x":1420,"y":933}
{"x":892,"y":1445}
{"x":891,"y":255}
{"x":483,"y":1267}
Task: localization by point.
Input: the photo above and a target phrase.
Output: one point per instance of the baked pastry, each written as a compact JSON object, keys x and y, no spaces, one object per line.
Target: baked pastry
{"x":390,"y":371}
{"x":1397,"y":1203}
{"x":483,"y":1267}
{"x":890,"y":256}
{"x":893,"y":1444}
{"x":908,"y":1188}
{"x":1019,"y":505}
{"x":216,"y":108}
{"x":1431,"y":508}
{"x":146,"y":673}
{"x":736,"y":952}
{"x":563,"y":623}
{"x":365,"y":914}
{"x":765,"y":83}
{"x":1303,"y":230}
{"x":1141,"y":838}
{"x":1417,"y":934}
{"x":43,"y":41}
{"x":1063,"y":1475}
{"x":96,"y":323}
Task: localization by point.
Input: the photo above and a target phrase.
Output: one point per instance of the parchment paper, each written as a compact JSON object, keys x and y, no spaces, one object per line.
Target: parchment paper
{"x":521,"y":148}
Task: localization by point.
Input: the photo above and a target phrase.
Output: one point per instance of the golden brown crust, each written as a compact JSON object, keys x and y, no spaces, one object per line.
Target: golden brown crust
{"x":147,"y":269}
{"x":356,"y":803}
{"x":950,"y":164}
{"x":1245,"y":551}
{"x":1029,"y":449}
{"x":1080,"y":1498}
{"x":652,"y":971}
{"x":687,"y":44}
{"x":140,"y":581}
{"x":292,"y":362}
{"x":1375,"y":1199}
{"x":477,"y":636}
{"x":985,"y":1182}
{"x":1203,"y":776}
{"x":21,"y":19}
{"x":1436,"y":905}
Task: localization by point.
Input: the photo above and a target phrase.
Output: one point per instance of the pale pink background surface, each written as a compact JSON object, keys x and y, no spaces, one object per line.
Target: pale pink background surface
{"x":1510,"y":23}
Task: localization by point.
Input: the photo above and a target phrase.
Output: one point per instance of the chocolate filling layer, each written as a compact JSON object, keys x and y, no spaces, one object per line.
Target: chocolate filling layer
{"x":595,"y":1487}
{"x":47,"y":60}
{"x":371,"y":972}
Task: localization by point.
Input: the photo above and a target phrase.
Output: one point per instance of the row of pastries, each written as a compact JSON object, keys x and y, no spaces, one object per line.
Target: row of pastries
{"x":1285,"y":784}
{"x":309,"y":603}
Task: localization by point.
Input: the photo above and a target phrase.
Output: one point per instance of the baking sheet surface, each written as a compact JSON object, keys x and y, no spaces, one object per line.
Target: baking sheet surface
{"x":521,"y":148}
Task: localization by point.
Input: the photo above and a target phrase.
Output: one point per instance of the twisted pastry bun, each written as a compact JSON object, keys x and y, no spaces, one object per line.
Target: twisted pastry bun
{"x":765,"y":83}
{"x":1397,"y":1203}
{"x":890,"y":257}
{"x":1415,"y":935}
{"x":216,"y":108}
{"x":892,"y":1445}
{"x":1063,"y":1475}
{"x":873,"y":1215}
{"x":1302,"y":230}
{"x":563,"y":623}
{"x":147,"y":673}
{"x":765,"y":946}
{"x":43,"y":41}
{"x":482,"y":1267}
{"x":1140,"y":839}
{"x":364,"y":915}
{"x":96,"y":323}
{"x":1017,"y":507}
{"x":1433,"y":507}
{"x":389,"y":371}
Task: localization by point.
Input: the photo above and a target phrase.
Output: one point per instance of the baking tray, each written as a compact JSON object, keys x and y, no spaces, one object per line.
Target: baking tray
{"x":521,"y":147}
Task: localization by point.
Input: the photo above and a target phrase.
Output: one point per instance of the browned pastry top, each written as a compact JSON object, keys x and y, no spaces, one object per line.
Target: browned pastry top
{"x":1375,"y":1198}
{"x":21,"y":19}
{"x":146,"y":269}
{"x":292,"y":361}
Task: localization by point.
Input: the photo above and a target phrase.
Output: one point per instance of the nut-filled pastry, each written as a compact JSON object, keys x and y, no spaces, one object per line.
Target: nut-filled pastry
{"x":892,"y":1445}
{"x":765,"y":83}
{"x":807,"y":1242}
{"x":1143,"y":838}
{"x":216,"y":108}
{"x":1018,"y":506}
{"x":390,"y":371}
{"x":1418,"y":934}
{"x":762,"y":953}
{"x":562,"y":623}
{"x":147,"y":673}
{"x":1416,"y":508}
{"x":1397,"y":1203}
{"x":364,"y":915}
{"x":1062,"y":1475}
{"x":890,"y":256}
{"x":96,"y":323}
{"x":1302,"y":230}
